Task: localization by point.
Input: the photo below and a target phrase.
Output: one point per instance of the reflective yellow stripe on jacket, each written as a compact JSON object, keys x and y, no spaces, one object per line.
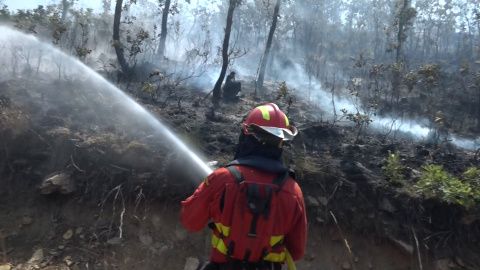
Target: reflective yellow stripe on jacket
{"x":218,"y":244}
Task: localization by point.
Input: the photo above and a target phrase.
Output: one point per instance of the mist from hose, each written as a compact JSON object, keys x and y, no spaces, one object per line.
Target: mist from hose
{"x":17,"y":46}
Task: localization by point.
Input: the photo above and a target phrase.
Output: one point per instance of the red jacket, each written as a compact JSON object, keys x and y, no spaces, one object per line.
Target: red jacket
{"x":290,"y":219}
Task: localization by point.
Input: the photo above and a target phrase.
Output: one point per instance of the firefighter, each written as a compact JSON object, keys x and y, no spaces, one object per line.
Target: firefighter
{"x":231,"y":88}
{"x":272,"y":231}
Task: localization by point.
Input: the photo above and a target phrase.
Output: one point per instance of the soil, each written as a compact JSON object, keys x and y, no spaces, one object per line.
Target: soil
{"x":87,"y":185}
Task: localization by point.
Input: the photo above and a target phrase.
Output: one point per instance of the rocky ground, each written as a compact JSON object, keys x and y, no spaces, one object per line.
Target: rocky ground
{"x":87,"y":184}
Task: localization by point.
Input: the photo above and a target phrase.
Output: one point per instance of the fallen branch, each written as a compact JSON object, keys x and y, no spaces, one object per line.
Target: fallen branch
{"x":121,"y":217}
{"x":73,"y":163}
{"x":203,"y":100}
{"x":345,"y":241}
{"x":40,"y":137}
{"x":418,"y":248}
{"x":120,"y":168}
{"x":119,"y":189}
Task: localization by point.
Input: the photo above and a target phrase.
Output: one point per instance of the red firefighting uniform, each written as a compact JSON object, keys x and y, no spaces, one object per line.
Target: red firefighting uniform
{"x":290,"y":222}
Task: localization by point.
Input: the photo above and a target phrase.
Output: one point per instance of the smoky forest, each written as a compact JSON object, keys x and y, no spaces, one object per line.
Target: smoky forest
{"x":113,"y":112}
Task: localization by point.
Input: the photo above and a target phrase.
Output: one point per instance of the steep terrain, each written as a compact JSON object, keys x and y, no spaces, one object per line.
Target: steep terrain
{"x":84,"y":189}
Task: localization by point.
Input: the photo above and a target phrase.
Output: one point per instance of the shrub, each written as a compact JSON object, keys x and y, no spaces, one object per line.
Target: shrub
{"x":437,"y":184}
{"x":394,"y":169}
{"x":472,"y":175}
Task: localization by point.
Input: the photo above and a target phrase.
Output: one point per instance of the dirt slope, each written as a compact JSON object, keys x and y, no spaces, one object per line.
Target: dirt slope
{"x":82,"y":189}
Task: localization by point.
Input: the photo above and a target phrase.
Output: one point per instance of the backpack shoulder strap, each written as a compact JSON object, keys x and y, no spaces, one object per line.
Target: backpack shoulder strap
{"x":280,"y":180}
{"x":236,"y":173}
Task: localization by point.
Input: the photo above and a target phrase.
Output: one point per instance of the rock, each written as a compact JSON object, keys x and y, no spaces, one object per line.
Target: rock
{"x":69,"y":262}
{"x":161,"y":247}
{"x":145,"y":239}
{"x":191,"y":263}
{"x":355,"y":171}
{"x":53,"y":252}
{"x":181,"y":233}
{"x":402,"y":245}
{"x":5,"y":267}
{"x":61,"y":247}
{"x":56,"y":267}
{"x":346,"y":265}
{"x":224,"y":139}
{"x":75,"y":266}
{"x":414,"y":174}
{"x":37,"y":256}
{"x":386,"y":205}
{"x":115,"y":241}
{"x":442,"y":264}
{"x":43,"y":264}
{"x":27,"y":220}
{"x":60,"y":182}
{"x":421,"y":151}
{"x":323,"y":200}
{"x":68,"y":234}
{"x":311,"y":201}
{"x":350,"y":167}
{"x":387,"y":147}
{"x":356,"y":259}
{"x":156,"y":221}
{"x":459,"y":261}
{"x":79,"y":230}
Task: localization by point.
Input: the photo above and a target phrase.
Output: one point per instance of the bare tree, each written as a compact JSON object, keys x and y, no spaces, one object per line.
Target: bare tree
{"x":163,"y":33}
{"x":65,"y":5}
{"x":217,"y":90}
{"x":404,"y":21}
{"x":116,"y":38}
{"x":261,"y":75}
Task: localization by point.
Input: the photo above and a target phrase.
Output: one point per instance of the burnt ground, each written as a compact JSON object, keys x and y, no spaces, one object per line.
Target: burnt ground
{"x":86,"y":185}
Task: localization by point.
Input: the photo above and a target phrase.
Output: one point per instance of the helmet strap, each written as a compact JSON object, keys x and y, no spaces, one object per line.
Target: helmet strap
{"x":249,"y":145}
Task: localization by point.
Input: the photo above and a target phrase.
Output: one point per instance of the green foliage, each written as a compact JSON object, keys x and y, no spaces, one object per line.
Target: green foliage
{"x":82,"y":52}
{"x":58,"y":27}
{"x":136,"y":41}
{"x":404,"y":18}
{"x":394,"y":169}
{"x":149,"y":89}
{"x":358,"y":118}
{"x":472,"y":175}
{"x":437,"y":184}
{"x":282,"y":91}
{"x":410,"y":79}
{"x":431,"y":75}
{"x":4,"y":13}
{"x":465,"y":68}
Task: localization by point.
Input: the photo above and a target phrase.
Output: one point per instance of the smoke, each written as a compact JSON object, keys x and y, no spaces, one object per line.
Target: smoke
{"x":194,"y":37}
{"x":201,"y":37}
{"x":306,"y":87}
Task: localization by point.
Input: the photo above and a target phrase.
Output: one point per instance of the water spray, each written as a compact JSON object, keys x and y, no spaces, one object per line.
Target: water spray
{"x":20,"y":41}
